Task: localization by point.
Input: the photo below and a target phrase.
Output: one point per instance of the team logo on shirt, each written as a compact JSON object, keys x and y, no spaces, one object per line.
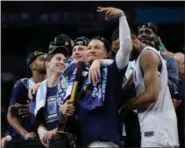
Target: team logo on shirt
{"x":52,"y":108}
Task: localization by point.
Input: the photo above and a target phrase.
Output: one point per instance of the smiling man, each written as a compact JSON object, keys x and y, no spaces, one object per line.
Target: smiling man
{"x":79,"y":52}
{"x":48,"y":115}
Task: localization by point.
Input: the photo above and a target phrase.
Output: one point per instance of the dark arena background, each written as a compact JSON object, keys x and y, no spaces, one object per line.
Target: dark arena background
{"x":26,"y":26}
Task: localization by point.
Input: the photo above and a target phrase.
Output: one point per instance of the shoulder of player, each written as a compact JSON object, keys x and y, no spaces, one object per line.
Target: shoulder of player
{"x":149,"y":57}
{"x":19,"y":83}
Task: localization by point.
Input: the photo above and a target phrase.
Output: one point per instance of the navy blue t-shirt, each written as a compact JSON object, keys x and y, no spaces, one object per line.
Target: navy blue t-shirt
{"x":102,"y":124}
{"x":20,"y":95}
{"x":51,"y":111}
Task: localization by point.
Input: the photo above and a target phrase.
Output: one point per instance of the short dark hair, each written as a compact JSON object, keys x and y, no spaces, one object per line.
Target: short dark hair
{"x":105,"y":42}
{"x":151,"y":26}
{"x":115,"y":34}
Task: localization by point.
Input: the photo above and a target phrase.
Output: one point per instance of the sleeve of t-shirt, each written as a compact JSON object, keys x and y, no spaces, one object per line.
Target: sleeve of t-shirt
{"x":17,"y":92}
{"x":173,"y":75}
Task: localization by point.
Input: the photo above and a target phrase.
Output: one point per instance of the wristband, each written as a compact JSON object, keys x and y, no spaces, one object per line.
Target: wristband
{"x":161,"y":47}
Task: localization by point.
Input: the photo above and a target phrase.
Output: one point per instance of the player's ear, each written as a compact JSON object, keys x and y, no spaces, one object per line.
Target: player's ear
{"x":32,"y":66}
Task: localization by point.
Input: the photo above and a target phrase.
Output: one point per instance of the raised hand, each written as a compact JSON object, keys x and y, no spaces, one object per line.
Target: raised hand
{"x":111,"y":12}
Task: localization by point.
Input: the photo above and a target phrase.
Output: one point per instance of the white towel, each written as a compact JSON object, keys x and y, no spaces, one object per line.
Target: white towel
{"x":41,"y":96}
